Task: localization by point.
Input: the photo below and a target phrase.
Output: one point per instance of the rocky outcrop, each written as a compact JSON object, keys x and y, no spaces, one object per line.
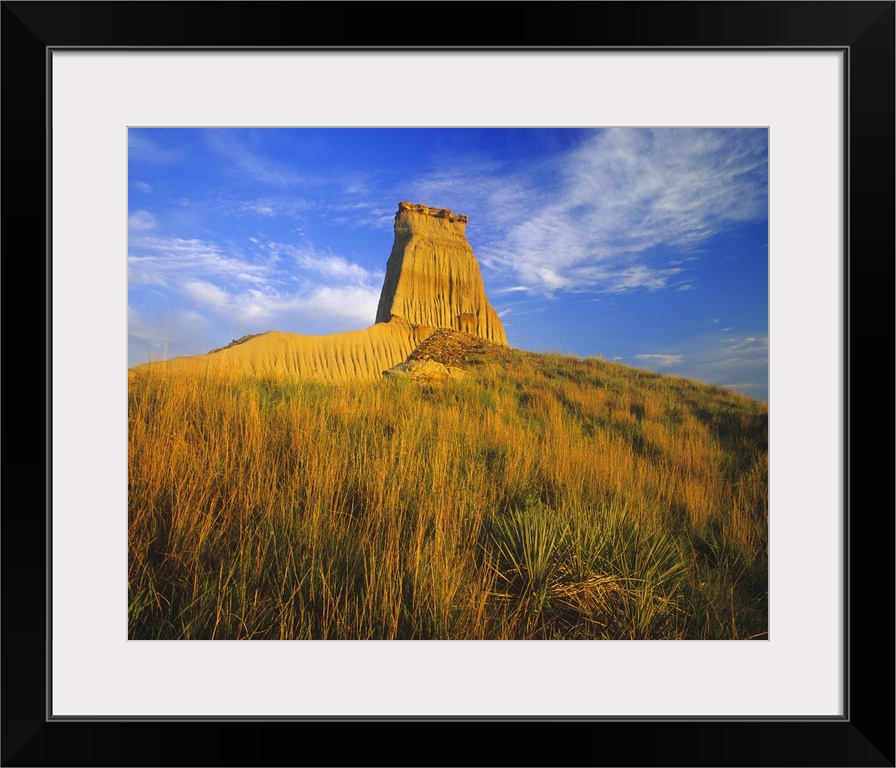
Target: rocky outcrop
{"x":433,"y":278}
{"x":450,"y":347}
{"x":235,"y":342}
{"x":425,"y":370}
{"x":433,"y":291}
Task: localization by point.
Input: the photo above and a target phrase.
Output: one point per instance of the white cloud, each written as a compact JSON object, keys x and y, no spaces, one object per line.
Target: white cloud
{"x":353,"y":307}
{"x":141,"y":221}
{"x":328,"y":265}
{"x":204,"y":294}
{"x":619,"y":196}
{"x":140,"y":327}
{"x":750,"y":343}
{"x":160,"y":260}
{"x":142,"y":149}
{"x":660,"y":359}
{"x":269,"y":206}
{"x":241,"y":160}
{"x":212,"y":286}
{"x":726,"y":362}
{"x":261,"y":209}
{"x":331,"y":267}
{"x":324,"y":309}
{"x":142,"y":186}
{"x":321,"y":310}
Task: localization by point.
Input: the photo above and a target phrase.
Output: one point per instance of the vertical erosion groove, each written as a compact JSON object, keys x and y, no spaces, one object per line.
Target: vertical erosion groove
{"x":432,"y":277}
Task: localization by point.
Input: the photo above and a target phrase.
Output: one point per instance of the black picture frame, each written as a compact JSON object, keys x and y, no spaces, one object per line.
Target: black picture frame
{"x":864,"y":31}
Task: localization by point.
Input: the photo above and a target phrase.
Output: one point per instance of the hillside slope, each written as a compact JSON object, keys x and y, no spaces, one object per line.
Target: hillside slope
{"x":536,"y":497}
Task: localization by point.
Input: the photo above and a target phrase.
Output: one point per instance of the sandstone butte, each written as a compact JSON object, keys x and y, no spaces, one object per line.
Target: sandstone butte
{"x":432,"y":282}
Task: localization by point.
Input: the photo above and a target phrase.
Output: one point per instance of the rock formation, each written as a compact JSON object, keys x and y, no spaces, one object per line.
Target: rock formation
{"x":425,"y":370}
{"x":432,"y":276}
{"x":441,"y":355}
{"x":352,"y":356}
{"x":432,"y":282}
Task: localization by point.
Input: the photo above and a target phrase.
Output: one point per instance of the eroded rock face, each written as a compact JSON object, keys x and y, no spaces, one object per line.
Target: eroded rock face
{"x":351,"y":356}
{"x":432,"y":276}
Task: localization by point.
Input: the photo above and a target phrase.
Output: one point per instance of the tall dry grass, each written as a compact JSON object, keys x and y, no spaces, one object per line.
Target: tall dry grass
{"x":544,"y":497}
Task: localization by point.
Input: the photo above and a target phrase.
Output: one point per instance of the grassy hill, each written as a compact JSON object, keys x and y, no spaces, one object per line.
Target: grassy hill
{"x":538,"y":497}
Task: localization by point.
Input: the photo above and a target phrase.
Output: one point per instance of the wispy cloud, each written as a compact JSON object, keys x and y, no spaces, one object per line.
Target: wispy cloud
{"x":467,"y":182}
{"x":206,"y":295}
{"x":269,"y":207}
{"x":141,"y":327}
{"x":362,"y":214}
{"x":268,"y":285}
{"x":622,"y":201}
{"x":141,"y":221}
{"x":143,"y":149}
{"x":323,"y":309}
{"x":660,"y":359}
{"x":332,"y":267}
{"x":173,"y":262}
{"x":325,"y":265}
{"x":235,"y":152}
{"x":729,"y":362}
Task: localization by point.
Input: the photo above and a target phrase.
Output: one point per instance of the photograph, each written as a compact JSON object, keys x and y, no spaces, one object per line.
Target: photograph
{"x":448,"y":383}
{"x":479,"y":347}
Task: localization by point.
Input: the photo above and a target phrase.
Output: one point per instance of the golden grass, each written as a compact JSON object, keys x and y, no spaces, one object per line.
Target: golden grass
{"x":539,"y":497}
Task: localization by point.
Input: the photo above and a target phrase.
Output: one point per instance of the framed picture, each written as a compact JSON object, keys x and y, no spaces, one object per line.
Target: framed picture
{"x":818,"y":76}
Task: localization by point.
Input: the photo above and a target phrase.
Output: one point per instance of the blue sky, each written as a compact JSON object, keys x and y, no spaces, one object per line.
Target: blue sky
{"x":648,"y":247}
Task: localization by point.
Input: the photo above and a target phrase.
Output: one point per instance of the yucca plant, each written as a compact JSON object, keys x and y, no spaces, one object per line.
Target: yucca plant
{"x":530,"y":543}
{"x":530,"y":547}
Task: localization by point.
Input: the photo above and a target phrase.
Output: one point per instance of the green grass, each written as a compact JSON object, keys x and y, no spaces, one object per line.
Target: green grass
{"x":540,"y":497}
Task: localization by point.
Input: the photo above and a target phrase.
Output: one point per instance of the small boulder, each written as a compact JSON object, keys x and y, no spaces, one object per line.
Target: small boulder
{"x":425,"y":370}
